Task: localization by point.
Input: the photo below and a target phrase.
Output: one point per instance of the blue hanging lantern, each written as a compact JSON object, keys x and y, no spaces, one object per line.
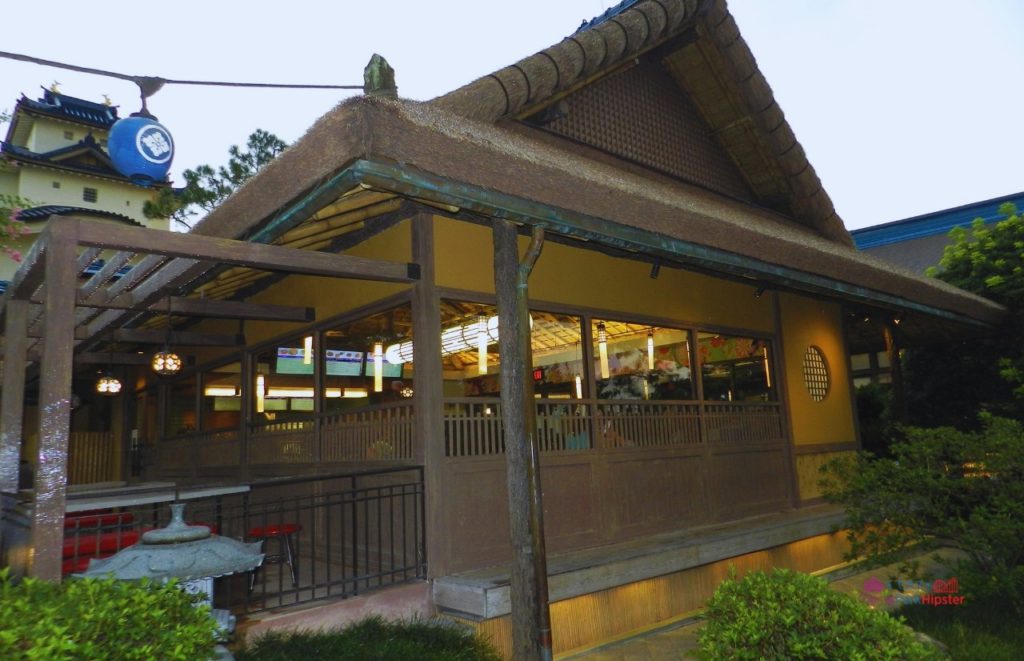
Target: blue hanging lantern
{"x":141,"y":148}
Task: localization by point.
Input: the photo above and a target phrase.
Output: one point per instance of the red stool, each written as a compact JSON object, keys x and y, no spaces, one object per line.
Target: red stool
{"x":283,"y":533}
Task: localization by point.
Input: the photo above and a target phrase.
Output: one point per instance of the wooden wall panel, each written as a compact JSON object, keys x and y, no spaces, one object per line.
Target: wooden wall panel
{"x":648,"y":493}
{"x":746,"y":482}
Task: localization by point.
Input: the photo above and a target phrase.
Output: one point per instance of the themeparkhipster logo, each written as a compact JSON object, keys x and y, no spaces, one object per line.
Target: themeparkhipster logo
{"x":939,"y":592}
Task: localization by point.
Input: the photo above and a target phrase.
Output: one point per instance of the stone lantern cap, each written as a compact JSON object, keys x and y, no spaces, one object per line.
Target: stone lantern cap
{"x":178,"y":551}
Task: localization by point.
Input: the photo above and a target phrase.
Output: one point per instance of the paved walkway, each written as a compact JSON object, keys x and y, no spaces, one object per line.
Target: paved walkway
{"x":679,"y":640}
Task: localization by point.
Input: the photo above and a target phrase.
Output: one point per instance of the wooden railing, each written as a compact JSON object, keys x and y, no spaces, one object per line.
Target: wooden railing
{"x":473,"y":426}
{"x":375,"y":433}
{"x":91,"y":457}
{"x":215,"y":447}
{"x":282,"y":442}
{"x":381,"y":432}
{"x":743,"y":423}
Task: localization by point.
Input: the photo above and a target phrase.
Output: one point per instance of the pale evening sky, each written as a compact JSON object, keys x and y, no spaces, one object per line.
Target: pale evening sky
{"x":903,"y":106}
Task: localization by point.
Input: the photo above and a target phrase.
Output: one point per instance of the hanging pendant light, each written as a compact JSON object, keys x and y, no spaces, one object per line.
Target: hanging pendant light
{"x":261,"y":393}
{"x":378,"y":366}
{"x":650,"y":349}
{"x":107,"y":385}
{"x":602,"y":349}
{"x":165,"y":361}
{"x":307,"y":350}
{"x":481,"y":342}
{"x":578,"y":378}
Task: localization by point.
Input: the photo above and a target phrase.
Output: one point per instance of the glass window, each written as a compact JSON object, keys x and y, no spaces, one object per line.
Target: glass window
{"x":557,"y":355}
{"x":469,"y":349}
{"x":860,"y":361}
{"x":369,"y":360}
{"x":638,"y":361}
{"x":222,"y":396}
{"x":283,"y":375}
{"x":181,"y":410}
{"x":734,"y":368}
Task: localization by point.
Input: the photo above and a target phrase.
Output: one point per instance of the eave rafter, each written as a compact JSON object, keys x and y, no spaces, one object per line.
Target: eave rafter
{"x":169,"y":261}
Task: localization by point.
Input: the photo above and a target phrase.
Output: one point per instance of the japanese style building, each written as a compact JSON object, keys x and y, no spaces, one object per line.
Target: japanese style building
{"x":692,"y":305}
{"x":54,"y":155}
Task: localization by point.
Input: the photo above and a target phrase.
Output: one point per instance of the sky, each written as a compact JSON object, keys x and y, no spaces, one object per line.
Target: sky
{"x":903,"y":106}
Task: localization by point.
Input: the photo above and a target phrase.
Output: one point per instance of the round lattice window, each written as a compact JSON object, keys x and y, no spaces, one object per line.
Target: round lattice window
{"x":816,"y":376}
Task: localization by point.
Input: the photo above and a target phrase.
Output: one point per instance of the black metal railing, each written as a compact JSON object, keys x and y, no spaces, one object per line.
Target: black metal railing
{"x":325,"y":536}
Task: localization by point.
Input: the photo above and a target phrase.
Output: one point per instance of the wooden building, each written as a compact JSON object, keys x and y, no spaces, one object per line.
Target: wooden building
{"x":691,"y":311}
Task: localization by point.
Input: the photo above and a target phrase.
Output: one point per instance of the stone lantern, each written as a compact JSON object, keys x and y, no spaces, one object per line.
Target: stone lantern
{"x":187,"y":553}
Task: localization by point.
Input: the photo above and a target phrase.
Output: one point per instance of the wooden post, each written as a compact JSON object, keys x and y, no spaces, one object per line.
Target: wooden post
{"x":899,"y":407}
{"x":248,"y":388}
{"x":12,"y":398}
{"x":428,"y":399}
{"x":531,"y":620}
{"x":778,"y":367}
{"x":54,"y":404}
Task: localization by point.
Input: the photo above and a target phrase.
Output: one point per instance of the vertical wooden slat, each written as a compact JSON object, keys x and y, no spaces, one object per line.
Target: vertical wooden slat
{"x":54,"y":401}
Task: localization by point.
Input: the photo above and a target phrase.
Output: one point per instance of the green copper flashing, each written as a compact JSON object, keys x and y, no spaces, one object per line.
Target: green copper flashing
{"x":409,"y":181}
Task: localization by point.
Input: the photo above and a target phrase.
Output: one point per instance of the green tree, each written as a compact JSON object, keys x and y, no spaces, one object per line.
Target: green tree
{"x":947,"y":384}
{"x":10,"y":227}
{"x":205,"y":187}
{"x":942,"y":487}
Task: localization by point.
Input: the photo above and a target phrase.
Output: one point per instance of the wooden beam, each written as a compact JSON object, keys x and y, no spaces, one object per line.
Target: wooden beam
{"x":200,"y":307}
{"x":106,"y":272}
{"x":112,"y":359}
{"x":32,"y":272}
{"x":177,"y":338}
{"x":47,"y":528}
{"x":209,"y":307}
{"x":242,"y":253}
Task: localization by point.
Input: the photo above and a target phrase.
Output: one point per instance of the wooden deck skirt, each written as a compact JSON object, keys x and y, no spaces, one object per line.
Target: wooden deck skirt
{"x":484,"y":593}
{"x":602,"y":593}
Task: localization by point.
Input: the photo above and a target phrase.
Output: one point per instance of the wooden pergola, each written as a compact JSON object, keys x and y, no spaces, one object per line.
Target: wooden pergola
{"x":49,"y":314}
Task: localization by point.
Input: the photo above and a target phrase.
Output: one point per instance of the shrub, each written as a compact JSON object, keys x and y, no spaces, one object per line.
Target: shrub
{"x":101,"y":619}
{"x":943,"y":487}
{"x":373,"y":639}
{"x":789,"y":615}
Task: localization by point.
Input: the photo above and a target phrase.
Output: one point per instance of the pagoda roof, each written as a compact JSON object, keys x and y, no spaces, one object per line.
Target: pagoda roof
{"x":43,"y":212}
{"x":80,"y":111}
{"x":85,"y":157}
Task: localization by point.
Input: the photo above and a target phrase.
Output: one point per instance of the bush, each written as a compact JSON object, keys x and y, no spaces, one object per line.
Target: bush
{"x":789,"y":615}
{"x":373,"y":639}
{"x":101,"y":619}
{"x":943,"y":487}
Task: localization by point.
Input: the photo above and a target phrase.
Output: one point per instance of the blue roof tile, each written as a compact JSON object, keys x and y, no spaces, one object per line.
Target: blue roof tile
{"x":79,"y":110}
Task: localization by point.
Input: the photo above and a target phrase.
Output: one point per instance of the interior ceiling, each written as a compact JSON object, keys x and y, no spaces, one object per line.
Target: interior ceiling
{"x":550,"y":332}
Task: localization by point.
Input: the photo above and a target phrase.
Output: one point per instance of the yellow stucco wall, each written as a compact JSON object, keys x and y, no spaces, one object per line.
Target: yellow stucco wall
{"x":329,"y":296}
{"x":36,"y":184}
{"x":808,"y":322}
{"x":808,"y":472}
{"x":589,"y":279}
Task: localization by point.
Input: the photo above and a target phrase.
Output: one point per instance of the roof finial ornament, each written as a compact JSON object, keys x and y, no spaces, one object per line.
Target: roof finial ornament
{"x":379,"y":78}
{"x":55,"y":87}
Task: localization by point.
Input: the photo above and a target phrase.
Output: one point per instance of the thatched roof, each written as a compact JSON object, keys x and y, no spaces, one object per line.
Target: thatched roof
{"x":699,"y":43}
{"x":482,"y":166}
